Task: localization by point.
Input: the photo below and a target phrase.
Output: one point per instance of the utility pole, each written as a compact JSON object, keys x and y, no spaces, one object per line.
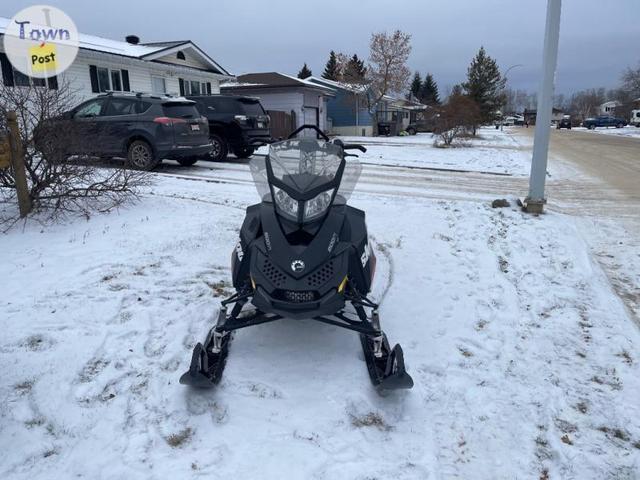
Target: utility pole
{"x":534,"y":203}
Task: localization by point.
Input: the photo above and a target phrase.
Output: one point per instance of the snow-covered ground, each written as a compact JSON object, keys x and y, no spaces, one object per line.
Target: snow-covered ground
{"x":524,"y":358}
{"x":494,"y":151}
{"x":628,"y":131}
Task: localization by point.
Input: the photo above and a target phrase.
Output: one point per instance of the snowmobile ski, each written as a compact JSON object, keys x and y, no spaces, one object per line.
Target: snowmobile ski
{"x":386,"y":368}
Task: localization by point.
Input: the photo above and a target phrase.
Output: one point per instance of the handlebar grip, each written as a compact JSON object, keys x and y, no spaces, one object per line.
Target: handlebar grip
{"x":354,"y":146}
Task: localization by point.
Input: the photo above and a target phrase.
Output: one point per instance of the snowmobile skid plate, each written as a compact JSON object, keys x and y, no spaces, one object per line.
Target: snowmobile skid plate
{"x":386,"y":370}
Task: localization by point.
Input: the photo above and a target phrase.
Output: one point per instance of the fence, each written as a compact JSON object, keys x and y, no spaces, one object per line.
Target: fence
{"x":282,"y":123}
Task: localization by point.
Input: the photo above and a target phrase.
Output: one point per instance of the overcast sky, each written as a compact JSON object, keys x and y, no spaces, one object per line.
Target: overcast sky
{"x":598,"y":38}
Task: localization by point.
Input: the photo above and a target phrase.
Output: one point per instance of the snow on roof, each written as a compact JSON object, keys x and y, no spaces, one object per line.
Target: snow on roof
{"x":352,"y":87}
{"x":240,"y":84}
{"x":274,"y":80}
{"x":106,"y":45}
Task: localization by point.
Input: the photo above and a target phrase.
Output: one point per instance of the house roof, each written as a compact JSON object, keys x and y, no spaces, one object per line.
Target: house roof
{"x":143,"y":51}
{"x":351,"y":87}
{"x":273,"y":80}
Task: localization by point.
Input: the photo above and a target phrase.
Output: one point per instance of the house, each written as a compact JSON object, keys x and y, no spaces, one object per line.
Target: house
{"x":400,"y":112}
{"x":529,"y":115}
{"x":348,"y":110}
{"x":303,"y":102}
{"x":177,"y":67}
{"x":609,"y":108}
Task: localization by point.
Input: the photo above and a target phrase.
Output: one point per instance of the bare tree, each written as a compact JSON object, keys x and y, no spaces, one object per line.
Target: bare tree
{"x":631,"y":82}
{"x":387,"y":72}
{"x":458,"y":116}
{"x":585,"y":103}
{"x":57,"y":184}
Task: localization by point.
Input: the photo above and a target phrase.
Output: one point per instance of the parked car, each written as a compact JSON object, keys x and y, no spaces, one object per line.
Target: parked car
{"x":142,"y":128}
{"x":635,"y":118}
{"x":565,"y":122}
{"x":235,"y":123}
{"x":604,"y":121}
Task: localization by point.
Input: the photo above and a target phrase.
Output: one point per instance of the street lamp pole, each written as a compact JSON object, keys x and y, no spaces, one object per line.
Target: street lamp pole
{"x":534,"y":203}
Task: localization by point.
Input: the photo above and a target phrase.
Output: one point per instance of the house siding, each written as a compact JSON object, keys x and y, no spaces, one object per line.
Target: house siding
{"x":347,"y":113}
{"x":140,"y":73}
{"x":190,"y":59}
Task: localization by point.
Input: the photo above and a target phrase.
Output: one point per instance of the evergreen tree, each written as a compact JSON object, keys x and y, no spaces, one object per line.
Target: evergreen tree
{"x":485,"y":85}
{"x":416,"y":86}
{"x":429,"y":92}
{"x":456,"y":91}
{"x":304,"y":72}
{"x":354,"y":70}
{"x":331,"y":71}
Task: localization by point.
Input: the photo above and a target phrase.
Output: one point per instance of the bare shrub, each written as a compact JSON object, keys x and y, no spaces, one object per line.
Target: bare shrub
{"x":59,"y":185}
{"x":458,"y":116}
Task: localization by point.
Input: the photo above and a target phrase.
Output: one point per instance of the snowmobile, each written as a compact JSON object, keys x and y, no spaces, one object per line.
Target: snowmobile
{"x":303,"y":253}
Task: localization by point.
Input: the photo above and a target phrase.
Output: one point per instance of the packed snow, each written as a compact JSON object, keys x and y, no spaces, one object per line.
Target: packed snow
{"x":492,"y":151}
{"x":524,"y":358}
{"x":628,"y":131}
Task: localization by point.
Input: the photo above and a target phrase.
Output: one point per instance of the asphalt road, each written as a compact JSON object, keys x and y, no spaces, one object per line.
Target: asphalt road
{"x":608,"y":180}
{"x":613,"y":159}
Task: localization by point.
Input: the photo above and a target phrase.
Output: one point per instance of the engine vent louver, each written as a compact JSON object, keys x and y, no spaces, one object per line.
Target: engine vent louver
{"x":273,"y":273}
{"x":321,"y":276}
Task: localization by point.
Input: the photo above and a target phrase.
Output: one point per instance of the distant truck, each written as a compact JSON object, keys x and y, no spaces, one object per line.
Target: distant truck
{"x":604,"y":121}
{"x":635,"y":118}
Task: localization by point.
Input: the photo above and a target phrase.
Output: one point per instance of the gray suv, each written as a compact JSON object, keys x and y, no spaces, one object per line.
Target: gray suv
{"x":145,"y":129}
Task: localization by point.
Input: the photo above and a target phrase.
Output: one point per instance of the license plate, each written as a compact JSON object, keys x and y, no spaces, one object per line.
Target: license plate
{"x":195,"y":128}
{"x":261,"y":125}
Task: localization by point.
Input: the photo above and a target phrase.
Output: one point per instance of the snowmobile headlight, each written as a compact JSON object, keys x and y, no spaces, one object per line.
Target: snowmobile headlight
{"x":317,"y":205}
{"x":285,"y":203}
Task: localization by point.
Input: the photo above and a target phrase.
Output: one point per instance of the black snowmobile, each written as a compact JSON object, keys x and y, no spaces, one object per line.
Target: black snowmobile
{"x":303,"y":254}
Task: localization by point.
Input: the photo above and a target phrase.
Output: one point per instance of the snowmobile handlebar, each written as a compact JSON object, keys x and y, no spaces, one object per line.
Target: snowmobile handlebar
{"x":306,"y":126}
{"x":349,"y":146}
{"x":354,"y":146}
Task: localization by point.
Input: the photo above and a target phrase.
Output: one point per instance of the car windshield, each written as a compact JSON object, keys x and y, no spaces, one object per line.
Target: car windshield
{"x":303,"y":165}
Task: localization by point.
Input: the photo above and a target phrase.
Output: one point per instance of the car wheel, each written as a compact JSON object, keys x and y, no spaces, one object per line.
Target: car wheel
{"x":219,"y":148}
{"x":187,"y":162}
{"x":411,"y":131}
{"x":591,"y":127}
{"x":243,"y":152}
{"x":141,"y":156}
{"x":619,"y":125}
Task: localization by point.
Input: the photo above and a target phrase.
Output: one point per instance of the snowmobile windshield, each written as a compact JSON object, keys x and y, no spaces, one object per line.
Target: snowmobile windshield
{"x":304,"y":176}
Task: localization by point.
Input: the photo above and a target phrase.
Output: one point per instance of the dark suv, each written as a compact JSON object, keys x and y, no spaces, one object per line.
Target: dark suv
{"x":565,"y":122}
{"x":143,"y":128}
{"x":235,"y":123}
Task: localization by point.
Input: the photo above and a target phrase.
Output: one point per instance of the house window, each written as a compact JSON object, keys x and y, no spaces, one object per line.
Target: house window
{"x":158,"y":85}
{"x":194,"y":87}
{"x":180,"y":55}
{"x":103,"y":80}
{"x":116,"y":80}
{"x":22,"y":80}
